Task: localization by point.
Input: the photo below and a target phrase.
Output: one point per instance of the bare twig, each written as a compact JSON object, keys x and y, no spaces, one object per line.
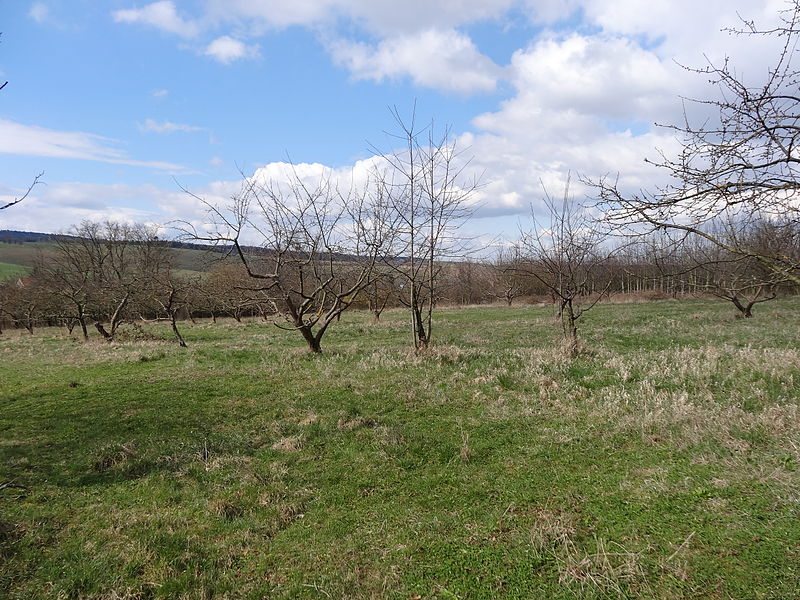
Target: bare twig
{"x":36,"y":181}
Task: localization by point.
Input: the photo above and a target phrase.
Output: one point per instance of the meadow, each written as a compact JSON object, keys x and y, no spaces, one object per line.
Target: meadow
{"x":660,"y":463}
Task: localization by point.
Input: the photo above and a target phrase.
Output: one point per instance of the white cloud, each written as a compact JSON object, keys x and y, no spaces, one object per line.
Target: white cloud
{"x":153,"y":126}
{"x":446,"y":60}
{"x":162,"y":15}
{"x":226,"y":49}
{"x":39,"y":12}
{"x":159,"y":93}
{"x":58,"y":205}
{"x":216,"y":162}
{"x":673,"y":29}
{"x":575,"y":99}
{"x":30,"y":140}
{"x":612,"y":78}
{"x":381,"y":17}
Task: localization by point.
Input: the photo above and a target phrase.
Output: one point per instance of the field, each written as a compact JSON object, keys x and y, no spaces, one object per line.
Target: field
{"x":10,"y":271}
{"x":19,"y":259}
{"x":661,"y":463}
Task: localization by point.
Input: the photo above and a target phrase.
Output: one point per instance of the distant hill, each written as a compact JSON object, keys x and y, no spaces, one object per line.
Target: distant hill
{"x":19,"y":237}
{"x":19,"y":251}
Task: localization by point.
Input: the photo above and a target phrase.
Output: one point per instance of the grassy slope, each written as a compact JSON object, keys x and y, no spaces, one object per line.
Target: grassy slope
{"x":10,"y":271}
{"x":25,"y":256}
{"x":18,"y":259}
{"x":660,"y":464}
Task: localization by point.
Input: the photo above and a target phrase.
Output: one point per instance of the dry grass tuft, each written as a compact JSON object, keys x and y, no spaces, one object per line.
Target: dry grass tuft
{"x":610,"y":568}
{"x":309,"y":419}
{"x":349,"y":424}
{"x":552,"y":528}
{"x":113,"y":455}
{"x":227,"y":509}
{"x":289,"y":444}
{"x":465,"y":452}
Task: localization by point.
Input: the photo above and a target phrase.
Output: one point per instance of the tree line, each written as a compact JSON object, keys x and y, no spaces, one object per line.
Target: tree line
{"x":105,"y":274}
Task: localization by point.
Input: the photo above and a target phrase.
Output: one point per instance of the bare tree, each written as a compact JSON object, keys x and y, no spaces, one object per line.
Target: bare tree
{"x":741,"y":164}
{"x":507,"y":282}
{"x":23,"y":301}
{"x":169,"y":293}
{"x":739,"y":279}
{"x":380,"y":293}
{"x":102,"y":269}
{"x":427,"y":188}
{"x":228,"y":290}
{"x":565,"y":254}
{"x":468,"y":282}
{"x":317,"y":247}
{"x":71,"y":273}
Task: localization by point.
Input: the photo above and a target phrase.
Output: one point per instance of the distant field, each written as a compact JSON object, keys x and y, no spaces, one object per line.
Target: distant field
{"x":26,"y":255}
{"x":9,"y":271}
{"x":663,"y":463}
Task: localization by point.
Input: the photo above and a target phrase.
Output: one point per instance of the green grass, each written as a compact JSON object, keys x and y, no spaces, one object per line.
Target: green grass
{"x":10,"y":271}
{"x":661,"y":463}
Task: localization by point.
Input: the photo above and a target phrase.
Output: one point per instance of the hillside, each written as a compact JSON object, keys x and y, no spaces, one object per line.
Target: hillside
{"x":19,"y":251}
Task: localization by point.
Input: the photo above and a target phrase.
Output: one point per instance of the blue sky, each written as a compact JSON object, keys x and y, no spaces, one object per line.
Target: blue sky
{"x":118,"y":102}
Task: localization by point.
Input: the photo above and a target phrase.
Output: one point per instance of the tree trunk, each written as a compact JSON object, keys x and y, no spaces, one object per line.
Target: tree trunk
{"x":570,"y":327}
{"x":177,"y":333}
{"x":116,"y":318}
{"x":84,"y":331}
{"x":747,"y":311}
{"x":312,"y":340}
{"x":103,"y":332}
{"x":420,"y":337}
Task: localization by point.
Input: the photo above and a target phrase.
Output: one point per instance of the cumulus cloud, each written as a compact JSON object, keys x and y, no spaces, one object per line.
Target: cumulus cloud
{"x":576,"y":99}
{"x":446,"y":60}
{"x":29,"y":140}
{"x":153,"y":126}
{"x":162,"y":15}
{"x":672,"y":29}
{"x":226,"y":50}
{"x":611,"y":78}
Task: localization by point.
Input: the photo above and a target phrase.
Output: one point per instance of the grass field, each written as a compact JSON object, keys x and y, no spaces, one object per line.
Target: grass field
{"x":24,"y":256}
{"x":10,"y":271}
{"x":661,"y":463}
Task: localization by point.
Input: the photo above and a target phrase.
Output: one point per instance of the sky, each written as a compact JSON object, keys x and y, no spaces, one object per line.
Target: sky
{"x":124,"y":104}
